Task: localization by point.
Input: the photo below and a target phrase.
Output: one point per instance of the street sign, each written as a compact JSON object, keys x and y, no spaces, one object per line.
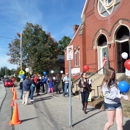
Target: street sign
{"x":21,"y":72}
{"x":70,"y":52}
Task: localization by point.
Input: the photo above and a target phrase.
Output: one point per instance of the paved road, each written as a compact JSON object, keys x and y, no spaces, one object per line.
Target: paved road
{"x":52,"y":113}
{"x":2,"y":93}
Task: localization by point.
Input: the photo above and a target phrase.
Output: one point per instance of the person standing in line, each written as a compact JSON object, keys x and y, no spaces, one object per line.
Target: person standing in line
{"x":50,"y":86}
{"x":57,"y":84}
{"x":66,"y":84}
{"x":112,"y":96}
{"x":21,"y":89}
{"x":38,"y":86}
{"x":32,"y":88}
{"x":26,"y":90}
{"x":42,"y":84}
{"x":45,"y":83}
{"x":85,"y":88}
{"x":63,"y":75}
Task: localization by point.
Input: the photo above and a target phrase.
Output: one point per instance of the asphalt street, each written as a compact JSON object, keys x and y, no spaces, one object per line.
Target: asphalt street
{"x":51,"y":113}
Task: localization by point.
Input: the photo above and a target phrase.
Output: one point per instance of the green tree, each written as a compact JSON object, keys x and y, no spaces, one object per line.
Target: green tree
{"x":5,"y":71}
{"x":37,"y":49}
{"x":63,"y":43}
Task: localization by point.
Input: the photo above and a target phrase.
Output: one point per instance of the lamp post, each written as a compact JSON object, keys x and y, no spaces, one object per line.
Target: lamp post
{"x":20,"y":35}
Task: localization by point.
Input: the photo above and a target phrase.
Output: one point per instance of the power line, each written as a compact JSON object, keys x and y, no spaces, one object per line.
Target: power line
{"x":6,"y":37}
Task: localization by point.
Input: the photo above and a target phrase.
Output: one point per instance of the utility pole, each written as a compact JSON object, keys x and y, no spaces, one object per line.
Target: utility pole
{"x":5,"y":70}
{"x":21,"y":58}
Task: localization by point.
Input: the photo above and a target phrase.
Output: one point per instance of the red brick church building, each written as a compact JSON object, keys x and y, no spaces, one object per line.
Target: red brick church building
{"x":104,"y":31}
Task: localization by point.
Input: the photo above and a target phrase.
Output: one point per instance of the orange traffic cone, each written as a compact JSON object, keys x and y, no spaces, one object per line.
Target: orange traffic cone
{"x":14,"y":95}
{"x":12,"y":88}
{"x":12,"y":103}
{"x":15,"y":118}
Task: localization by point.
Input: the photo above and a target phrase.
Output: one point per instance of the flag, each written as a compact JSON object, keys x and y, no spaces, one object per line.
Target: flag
{"x":104,"y":61}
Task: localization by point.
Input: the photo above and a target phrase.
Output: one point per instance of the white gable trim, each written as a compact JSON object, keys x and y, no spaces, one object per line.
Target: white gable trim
{"x":84,"y":8}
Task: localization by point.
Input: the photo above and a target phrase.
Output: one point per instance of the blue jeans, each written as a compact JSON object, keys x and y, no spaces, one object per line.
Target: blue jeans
{"x":31,"y":91}
{"x":84,"y":96}
{"x":66,"y":86}
{"x":21,"y":94}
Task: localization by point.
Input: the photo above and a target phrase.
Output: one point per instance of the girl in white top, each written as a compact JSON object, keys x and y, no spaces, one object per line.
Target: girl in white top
{"x":112,"y":96}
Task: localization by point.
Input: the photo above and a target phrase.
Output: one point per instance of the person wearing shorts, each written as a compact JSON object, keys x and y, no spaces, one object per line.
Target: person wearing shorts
{"x":112,"y":96}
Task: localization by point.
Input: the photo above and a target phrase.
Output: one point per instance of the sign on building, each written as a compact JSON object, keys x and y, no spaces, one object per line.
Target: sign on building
{"x":127,"y":72}
{"x":70,"y":52}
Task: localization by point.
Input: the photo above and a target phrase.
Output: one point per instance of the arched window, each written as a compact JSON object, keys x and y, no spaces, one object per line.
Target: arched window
{"x":77,"y":58}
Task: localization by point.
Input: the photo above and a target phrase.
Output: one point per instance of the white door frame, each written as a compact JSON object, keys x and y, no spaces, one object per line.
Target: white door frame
{"x":100,"y":62}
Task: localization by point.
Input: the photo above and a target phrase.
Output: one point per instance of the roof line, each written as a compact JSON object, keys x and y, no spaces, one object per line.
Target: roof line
{"x":84,"y":8}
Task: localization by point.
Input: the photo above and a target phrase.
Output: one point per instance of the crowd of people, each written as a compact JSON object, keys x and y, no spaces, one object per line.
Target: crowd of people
{"x":45,"y":84}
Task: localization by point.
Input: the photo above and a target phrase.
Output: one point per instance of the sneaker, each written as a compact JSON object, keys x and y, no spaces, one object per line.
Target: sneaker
{"x":31,"y":100}
{"x":22,"y":102}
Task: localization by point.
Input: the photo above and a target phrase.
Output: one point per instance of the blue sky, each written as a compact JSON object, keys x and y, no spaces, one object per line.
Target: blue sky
{"x":55,"y":16}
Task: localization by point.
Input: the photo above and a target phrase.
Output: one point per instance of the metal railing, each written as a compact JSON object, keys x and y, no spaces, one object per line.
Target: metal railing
{"x":76,"y":85}
{"x":90,"y":75}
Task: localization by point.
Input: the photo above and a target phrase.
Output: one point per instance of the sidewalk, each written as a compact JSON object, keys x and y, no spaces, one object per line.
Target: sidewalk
{"x":52,"y":113}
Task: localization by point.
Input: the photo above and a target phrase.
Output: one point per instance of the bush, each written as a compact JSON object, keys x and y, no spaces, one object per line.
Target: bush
{"x":17,"y":79}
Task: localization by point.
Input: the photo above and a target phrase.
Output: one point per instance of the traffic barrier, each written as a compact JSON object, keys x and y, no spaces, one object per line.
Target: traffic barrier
{"x":14,"y":95}
{"x":15,"y":118}
{"x":12,"y":89}
{"x":12,"y":103}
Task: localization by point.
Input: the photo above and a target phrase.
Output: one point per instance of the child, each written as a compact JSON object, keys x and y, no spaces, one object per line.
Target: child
{"x":50,"y":86}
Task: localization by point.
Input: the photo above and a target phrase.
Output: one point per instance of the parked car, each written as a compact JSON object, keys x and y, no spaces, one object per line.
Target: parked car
{"x":8,"y":83}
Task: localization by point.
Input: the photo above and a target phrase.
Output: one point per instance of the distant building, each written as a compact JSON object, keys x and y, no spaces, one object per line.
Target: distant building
{"x":104,"y":31}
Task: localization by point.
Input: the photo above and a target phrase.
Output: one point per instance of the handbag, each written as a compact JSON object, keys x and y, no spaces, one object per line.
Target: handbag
{"x":89,"y":88}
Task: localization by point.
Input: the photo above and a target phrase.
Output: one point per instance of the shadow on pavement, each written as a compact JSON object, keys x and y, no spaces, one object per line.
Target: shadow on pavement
{"x":39,"y":95}
{"x":126,"y":125}
{"x":85,"y":118}
{"x":91,"y":109}
{"x":28,"y":119}
{"x":40,"y":99}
